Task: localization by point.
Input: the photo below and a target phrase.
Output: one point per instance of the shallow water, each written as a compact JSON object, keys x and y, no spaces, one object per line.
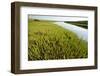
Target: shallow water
{"x":79,"y":31}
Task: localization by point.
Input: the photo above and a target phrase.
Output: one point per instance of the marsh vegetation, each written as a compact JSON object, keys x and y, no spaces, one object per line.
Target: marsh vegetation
{"x":48,"y":41}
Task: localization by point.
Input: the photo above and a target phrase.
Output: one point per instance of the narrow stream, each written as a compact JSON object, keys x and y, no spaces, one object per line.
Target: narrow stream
{"x":79,"y":31}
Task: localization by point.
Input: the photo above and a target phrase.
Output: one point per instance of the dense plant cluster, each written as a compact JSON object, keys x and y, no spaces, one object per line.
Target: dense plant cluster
{"x":48,"y":41}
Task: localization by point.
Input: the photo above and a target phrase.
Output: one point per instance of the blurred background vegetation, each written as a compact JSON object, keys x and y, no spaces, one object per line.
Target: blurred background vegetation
{"x":83,"y":24}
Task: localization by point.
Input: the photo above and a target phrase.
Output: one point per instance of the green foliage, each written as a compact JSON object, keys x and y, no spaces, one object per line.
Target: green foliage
{"x":48,"y":41}
{"x":83,"y":24}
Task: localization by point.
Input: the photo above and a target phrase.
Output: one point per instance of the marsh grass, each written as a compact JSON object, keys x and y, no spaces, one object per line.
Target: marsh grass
{"x":48,"y":41}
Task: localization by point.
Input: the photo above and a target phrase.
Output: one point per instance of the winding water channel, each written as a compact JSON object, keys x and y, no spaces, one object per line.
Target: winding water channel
{"x":79,"y":31}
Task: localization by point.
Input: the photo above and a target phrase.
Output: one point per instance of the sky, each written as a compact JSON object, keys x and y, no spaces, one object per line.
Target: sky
{"x":58,"y":18}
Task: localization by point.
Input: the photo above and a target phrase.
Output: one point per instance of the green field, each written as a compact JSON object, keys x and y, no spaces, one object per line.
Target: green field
{"x":83,"y":24}
{"x":48,"y":41}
